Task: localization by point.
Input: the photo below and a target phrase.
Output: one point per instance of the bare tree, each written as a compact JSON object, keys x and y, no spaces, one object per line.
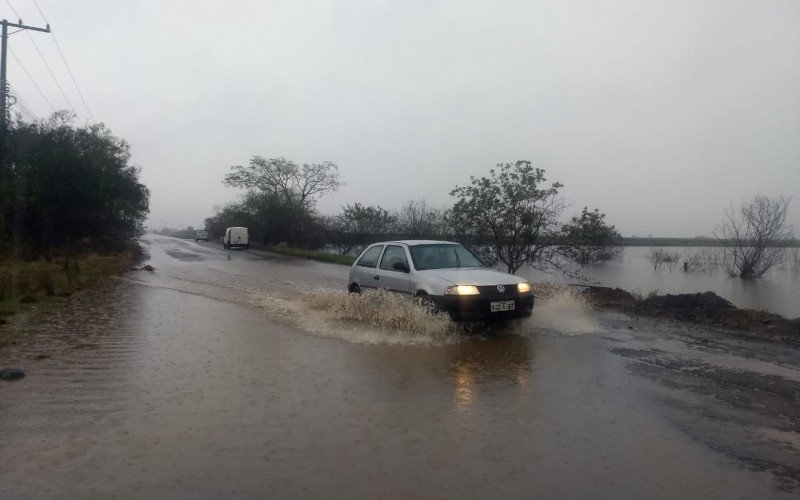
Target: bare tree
{"x":756,"y":234}
{"x":291,"y":187}
{"x":417,"y":219}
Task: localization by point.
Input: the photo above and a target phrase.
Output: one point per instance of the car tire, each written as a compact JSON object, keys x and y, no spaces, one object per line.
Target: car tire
{"x":354,"y":288}
{"x":425,"y":300}
{"x":247,"y":247}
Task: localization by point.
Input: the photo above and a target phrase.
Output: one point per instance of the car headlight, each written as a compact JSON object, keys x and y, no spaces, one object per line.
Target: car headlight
{"x":524,"y":287}
{"x":461,"y":290}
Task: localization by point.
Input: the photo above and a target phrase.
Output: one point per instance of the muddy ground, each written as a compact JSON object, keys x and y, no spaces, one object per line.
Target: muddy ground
{"x":707,"y":309}
{"x":248,"y":374}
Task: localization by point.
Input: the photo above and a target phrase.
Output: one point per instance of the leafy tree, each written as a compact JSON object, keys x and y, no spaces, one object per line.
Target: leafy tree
{"x":755,"y":235}
{"x":357,"y":225}
{"x":232,"y":215}
{"x":288,"y":191}
{"x":587,"y":239}
{"x":510,"y":215}
{"x":63,"y":183}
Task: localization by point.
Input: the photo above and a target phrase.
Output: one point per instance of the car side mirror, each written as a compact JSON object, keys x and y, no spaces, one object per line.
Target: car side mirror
{"x":401,"y":266}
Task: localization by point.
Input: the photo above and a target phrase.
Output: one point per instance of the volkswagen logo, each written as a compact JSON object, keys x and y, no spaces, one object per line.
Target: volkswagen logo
{"x":501,"y":288}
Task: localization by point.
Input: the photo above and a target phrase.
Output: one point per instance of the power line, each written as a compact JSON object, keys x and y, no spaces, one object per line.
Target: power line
{"x":4,"y":87}
{"x":52,"y":75}
{"x":32,"y":80}
{"x":14,"y":10}
{"x":66,"y":64}
{"x":55,"y":80}
{"x":21,"y":104}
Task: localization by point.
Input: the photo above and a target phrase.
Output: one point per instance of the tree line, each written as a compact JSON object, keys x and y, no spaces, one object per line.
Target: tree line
{"x":511,"y":217}
{"x":64,"y":186}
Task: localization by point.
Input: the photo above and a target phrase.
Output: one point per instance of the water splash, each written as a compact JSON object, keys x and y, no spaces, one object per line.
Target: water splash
{"x":381,"y":317}
{"x":372,"y":317}
{"x":562,"y":310}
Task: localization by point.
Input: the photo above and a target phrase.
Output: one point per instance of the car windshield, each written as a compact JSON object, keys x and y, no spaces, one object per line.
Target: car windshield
{"x":443,"y":256}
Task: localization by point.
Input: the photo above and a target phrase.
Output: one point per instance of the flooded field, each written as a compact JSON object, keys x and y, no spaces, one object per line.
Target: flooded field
{"x":635,"y":271}
{"x":246,"y":374}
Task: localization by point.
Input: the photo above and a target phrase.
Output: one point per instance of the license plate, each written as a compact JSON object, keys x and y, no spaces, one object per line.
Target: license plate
{"x":503,"y":305}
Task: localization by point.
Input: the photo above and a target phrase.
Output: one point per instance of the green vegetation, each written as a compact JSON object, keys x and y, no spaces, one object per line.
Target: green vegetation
{"x":70,"y":202}
{"x":587,"y":239}
{"x":279,"y":204}
{"x":69,"y":189}
{"x":512,"y":216}
{"x":355,"y":227}
{"x":37,"y":283}
{"x":334,"y":258}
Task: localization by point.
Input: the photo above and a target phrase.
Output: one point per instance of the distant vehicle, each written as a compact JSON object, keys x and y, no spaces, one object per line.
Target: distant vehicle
{"x":236,"y":237}
{"x":446,"y":275}
{"x":201,"y":235}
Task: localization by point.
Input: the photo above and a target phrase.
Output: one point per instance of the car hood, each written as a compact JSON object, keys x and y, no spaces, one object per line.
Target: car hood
{"x":473,"y":276}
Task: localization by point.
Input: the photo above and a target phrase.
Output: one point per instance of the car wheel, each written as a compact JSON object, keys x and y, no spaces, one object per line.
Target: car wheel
{"x":354,"y":288}
{"x":247,"y":247}
{"x":425,"y":300}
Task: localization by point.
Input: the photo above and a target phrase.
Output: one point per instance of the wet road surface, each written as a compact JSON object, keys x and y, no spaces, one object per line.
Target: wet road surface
{"x":237,"y":374}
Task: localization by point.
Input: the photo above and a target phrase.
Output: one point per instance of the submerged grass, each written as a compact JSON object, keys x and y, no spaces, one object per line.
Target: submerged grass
{"x":38,"y":284}
{"x":334,"y":258}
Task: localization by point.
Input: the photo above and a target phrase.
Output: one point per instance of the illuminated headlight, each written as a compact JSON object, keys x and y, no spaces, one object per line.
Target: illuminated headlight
{"x":524,"y":287}
{"x":461,"y":290}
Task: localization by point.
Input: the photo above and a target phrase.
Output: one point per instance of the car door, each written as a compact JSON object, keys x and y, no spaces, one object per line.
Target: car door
{"x":365,"y":272}
{"x":389,"y":276}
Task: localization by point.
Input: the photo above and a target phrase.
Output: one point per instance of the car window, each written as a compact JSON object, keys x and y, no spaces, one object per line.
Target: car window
{"x":370,"y":257}
{"x":443,"y":256}
{"x":393,"y":255}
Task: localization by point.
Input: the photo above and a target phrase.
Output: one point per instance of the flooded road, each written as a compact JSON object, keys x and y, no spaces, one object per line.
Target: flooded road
{"x":250,"y":375}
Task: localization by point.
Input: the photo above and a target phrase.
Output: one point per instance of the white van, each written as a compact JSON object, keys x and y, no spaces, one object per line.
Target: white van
{"x":236,"y":237}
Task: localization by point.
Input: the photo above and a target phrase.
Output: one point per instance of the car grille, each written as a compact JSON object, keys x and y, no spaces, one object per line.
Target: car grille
{"x":490,"y":291}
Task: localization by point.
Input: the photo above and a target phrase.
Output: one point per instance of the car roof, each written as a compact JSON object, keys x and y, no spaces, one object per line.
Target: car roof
{"x":412,"y":243}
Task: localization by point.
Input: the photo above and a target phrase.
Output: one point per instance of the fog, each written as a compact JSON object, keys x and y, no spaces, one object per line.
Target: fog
{"x":658,"y":113}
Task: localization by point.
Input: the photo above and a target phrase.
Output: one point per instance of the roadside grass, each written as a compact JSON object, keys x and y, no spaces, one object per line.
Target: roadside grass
{"x":38,"y":284}
{"x":334,"y":258}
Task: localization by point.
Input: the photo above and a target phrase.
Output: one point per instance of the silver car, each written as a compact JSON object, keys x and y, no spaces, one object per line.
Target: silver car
{"x":444,"y":274}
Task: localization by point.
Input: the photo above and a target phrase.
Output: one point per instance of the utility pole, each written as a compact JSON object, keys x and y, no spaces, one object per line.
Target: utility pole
{"x":4,"y":82}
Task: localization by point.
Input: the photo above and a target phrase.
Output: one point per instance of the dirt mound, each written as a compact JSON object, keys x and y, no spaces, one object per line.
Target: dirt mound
{"x":705,"y":308}
{"x":711,"y":309}
{"x":687,"y":306}
{"x":608,"y":297}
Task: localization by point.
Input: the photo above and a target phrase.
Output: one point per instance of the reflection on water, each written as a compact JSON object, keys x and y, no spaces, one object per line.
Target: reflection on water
{"x":776,"y":292}
{"x":477,"y":365}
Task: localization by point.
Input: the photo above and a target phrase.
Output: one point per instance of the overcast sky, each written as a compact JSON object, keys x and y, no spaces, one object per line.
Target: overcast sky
{"x":660,"y":113}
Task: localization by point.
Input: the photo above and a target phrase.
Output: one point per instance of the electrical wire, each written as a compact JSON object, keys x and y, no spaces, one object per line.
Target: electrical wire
{"x":52,"y":75}
{"x":32,"y":80}
{"x":20,"y":104}
{"x":14,"y":10}
{"x":66,"y":64}
{"x":55,"y":80}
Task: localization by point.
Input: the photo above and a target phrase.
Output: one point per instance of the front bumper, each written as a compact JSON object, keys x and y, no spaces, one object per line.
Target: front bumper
{"x":478,"y":307}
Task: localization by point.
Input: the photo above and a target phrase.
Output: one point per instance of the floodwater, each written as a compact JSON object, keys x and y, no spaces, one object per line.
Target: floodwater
{"x":249,"y":375}
{"x":778,"y":291}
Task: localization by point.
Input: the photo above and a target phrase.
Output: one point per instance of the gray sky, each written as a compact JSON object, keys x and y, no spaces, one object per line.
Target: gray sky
{"x":659,"y":113}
